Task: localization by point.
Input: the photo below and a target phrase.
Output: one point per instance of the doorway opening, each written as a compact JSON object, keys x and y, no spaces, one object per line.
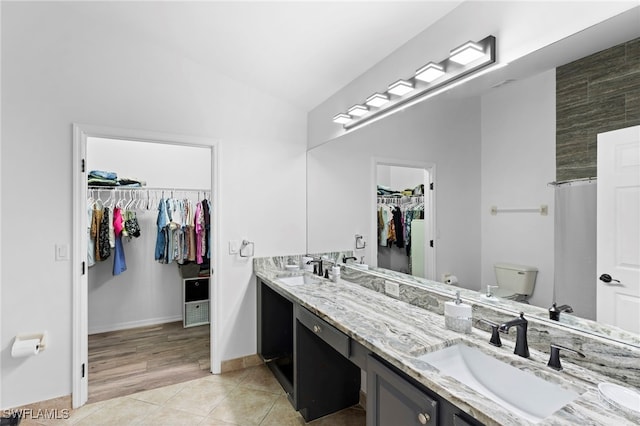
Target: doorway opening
{"x":145,"y":313}
{"x":405,"y":218}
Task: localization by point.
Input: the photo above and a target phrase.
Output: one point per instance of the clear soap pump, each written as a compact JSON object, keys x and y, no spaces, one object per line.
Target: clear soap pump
{"x":458,"y":315}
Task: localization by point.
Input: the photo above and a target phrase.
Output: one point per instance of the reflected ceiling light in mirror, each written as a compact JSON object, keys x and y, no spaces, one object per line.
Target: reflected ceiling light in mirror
{"x":400,"y":87}
{"x":466,"y":53}
{"x":430,"y":72}
{"x":357,"y":110}
{"x":428,"y":81}
{"x":342,"y":118}
{"x":377,"y":100}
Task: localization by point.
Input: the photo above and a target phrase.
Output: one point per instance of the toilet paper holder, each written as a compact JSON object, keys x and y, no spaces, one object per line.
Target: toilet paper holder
{"x":42,"y":337}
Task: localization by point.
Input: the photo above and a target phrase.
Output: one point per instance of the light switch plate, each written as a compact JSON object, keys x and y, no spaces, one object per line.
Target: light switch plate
{"x":234,"y":246}
{"x":62,"y":252}
{"x":391,"y":288}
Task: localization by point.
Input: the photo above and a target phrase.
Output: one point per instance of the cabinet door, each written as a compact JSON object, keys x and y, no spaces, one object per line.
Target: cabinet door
{"x":392,"y":400}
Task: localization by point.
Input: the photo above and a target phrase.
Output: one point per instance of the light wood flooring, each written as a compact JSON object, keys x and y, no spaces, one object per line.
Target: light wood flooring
{"x":128,"y":361}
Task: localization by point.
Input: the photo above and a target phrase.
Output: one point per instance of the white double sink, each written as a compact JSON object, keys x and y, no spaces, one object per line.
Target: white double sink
{"x":520,"y":392}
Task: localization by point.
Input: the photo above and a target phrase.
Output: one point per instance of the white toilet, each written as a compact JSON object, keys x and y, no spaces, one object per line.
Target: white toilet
{"x":515,"y":282}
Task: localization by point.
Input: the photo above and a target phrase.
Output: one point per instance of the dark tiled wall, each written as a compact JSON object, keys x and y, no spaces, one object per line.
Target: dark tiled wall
{"x":595,"y":94}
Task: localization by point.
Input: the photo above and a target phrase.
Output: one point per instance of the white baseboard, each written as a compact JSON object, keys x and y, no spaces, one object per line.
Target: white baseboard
{"x":132,"y":324}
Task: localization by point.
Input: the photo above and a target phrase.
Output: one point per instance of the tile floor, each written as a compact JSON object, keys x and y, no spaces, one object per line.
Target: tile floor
{"x":246,"y":397}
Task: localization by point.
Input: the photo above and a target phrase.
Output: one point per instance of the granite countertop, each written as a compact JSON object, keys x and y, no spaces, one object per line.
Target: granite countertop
{"x":399,"y":333}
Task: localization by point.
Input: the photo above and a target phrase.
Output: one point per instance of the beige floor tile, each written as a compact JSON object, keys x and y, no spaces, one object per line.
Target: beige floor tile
{"x":232,"y":377}
{"x":354,"y":416}
{"x":244,"y":406}
{"x":261,"y":378}
{"x":283,"y":414}
{"x":210,"y":421}
{"x":200,"y":396}
{"x":160,"y":395}
{"x":119,"y":411}
{"x":74,"y":416}
{"x":170,"y":417}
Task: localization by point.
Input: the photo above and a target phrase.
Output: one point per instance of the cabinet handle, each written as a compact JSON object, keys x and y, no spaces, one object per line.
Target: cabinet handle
{"x":317,"y":329}
{"x":424,"y":418}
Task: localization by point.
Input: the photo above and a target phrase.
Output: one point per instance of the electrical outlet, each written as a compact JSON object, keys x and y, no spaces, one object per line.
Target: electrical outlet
{"x":391,"y":288}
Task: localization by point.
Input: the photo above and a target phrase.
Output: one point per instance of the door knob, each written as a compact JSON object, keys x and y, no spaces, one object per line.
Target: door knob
{"x":607,"y":278}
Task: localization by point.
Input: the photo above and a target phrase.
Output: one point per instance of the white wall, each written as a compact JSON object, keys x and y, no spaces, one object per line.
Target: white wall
{"x":521,"y":27}
{"x":64,"y":63}
{"x":148,"y":292}
{"x":341,"y":182}
{"x":518,"y":160}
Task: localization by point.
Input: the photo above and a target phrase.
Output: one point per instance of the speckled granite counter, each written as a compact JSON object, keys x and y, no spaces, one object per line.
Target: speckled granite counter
{"x":400,"y":332}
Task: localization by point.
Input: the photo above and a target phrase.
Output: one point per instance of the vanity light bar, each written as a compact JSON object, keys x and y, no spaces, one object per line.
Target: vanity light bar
{"x":342,"y":118}
{"x":400,"y":87}
{"x":430,"y":72}
{"x":377,"y":100}
{"x":467,"y":53}
{"x":472,"y":59}
{"x":357,"y":110}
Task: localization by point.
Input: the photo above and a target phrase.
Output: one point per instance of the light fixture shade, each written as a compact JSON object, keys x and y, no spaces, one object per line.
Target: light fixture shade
{"x":342,"y":118}
{"x":400,"y":87}
{"x":357,"y":110}
{"x":466,"y":53}
{"x":430,"y":72}
{"x":377,"y":100}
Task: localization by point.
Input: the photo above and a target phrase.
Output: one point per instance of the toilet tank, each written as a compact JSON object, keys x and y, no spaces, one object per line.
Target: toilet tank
{"x":520,"y":279}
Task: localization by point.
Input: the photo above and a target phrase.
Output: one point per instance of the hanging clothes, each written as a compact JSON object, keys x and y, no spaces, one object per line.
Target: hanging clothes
{"x":119,"y":262}
{"x":394,"y":219}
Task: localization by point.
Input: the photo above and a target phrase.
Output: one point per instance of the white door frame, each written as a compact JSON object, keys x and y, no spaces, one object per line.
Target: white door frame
{"x":80,"y":302}
{"x":429,"y":200}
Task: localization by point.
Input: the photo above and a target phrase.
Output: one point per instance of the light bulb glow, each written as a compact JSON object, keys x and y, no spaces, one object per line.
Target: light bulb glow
{"x":377,"y":100}
{"x":466,"y":53}
{"x":400,"y":88}
{"x":357,"y":110}
{"x":430,"y":72}
{"x":342,"y":118}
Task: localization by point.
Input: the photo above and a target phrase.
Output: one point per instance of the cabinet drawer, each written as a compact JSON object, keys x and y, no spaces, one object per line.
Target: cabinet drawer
{"x":335,"y":338}
{"x":196,"y":289}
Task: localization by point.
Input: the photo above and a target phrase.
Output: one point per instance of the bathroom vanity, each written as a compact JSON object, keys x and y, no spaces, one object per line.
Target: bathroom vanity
{"x":317,"y":335}
{"x":319,"y":368}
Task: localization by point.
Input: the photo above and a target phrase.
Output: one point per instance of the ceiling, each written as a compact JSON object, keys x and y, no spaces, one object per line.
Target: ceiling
{"x":300,"y":51}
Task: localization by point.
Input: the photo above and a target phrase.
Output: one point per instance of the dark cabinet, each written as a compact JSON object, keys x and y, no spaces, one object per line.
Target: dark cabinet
{"x":275,"y":336}
{"x":326,"y":380}
{"x":307,"y":356}
{"x":393,"y":399}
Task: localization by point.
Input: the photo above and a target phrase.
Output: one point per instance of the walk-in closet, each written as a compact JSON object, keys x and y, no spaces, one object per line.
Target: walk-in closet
{"x":400,"y":212}
{"x":149,"y":239}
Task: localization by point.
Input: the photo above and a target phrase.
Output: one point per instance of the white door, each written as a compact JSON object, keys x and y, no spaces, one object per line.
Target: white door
{"x":618,"y":235}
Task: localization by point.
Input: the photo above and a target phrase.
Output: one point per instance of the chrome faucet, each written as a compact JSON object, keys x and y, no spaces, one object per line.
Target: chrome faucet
{"x":522,"y":347}
{"x":554,"y":311}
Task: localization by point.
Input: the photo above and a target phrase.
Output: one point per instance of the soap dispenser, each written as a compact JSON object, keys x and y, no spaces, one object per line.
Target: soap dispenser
{"x":457,"y":315}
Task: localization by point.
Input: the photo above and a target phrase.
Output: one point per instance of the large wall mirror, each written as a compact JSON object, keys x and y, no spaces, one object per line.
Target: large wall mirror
{"x":490,"y":143}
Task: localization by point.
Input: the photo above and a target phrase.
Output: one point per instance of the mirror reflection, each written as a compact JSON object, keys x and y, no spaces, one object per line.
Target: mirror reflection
{"x":500,"y":221}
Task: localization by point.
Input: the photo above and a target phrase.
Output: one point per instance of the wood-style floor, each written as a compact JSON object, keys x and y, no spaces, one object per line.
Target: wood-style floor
{"x":129,"y":361}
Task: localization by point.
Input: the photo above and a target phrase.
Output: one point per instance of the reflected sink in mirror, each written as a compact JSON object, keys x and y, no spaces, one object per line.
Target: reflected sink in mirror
{"x":299,"y":280}
{"x":520,"y":392}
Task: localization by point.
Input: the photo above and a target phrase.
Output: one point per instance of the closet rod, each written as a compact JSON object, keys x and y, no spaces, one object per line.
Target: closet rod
{"x":143,"y":188}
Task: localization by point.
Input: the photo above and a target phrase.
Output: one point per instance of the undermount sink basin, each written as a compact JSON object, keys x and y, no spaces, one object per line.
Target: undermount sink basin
{"x":620,"y":397}
{"x":299,"y":280}
{"x":520,"y":392}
